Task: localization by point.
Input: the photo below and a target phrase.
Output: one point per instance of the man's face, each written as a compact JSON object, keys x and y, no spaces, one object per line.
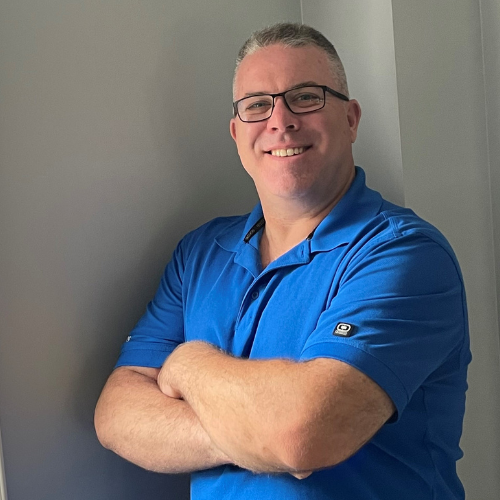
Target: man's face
{"x":322,"y":170}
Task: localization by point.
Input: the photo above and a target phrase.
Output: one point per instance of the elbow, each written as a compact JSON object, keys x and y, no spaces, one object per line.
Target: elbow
{"x":102,"y":428}
{"x":101,"y":436}
{"x":302,"y":449}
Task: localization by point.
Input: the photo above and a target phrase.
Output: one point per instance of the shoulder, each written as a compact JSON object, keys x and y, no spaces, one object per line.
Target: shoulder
{"x":403,"y":227}
{"x":397,"y":242}
{"x":389,"y":243}
{"x":405,"y":222}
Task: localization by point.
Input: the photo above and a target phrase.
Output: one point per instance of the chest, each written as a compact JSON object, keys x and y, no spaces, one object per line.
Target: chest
{"x":266,"y":316}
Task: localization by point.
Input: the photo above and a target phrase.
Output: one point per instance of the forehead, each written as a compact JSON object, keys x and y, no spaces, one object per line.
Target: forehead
{"x":277,"y":68}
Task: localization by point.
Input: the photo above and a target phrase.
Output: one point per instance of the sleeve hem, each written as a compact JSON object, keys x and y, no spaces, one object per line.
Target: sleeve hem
{"x":367,"y":364}
{"x":151,"y":358}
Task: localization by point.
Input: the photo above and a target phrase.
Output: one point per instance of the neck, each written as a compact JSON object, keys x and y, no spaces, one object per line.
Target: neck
{"x":290,"y":222}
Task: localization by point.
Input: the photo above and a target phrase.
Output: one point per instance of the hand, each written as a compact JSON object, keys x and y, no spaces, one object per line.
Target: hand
{"x":171,"y":373}
{"x":168,"y":390}
{"x":164,"y":380}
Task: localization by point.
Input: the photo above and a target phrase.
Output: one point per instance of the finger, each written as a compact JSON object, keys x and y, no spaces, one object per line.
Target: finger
{"x":301,"y":475}
{"x":170,"y":391}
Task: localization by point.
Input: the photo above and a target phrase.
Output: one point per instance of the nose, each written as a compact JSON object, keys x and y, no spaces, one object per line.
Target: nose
{"x":282,"y":119}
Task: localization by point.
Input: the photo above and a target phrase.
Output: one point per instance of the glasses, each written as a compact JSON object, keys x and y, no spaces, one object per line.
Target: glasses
{"x":299,"y":100}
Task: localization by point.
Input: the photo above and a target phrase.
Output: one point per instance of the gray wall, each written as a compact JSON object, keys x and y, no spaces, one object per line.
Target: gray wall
{"x":114,"y":141}
{"x":435,"y":113}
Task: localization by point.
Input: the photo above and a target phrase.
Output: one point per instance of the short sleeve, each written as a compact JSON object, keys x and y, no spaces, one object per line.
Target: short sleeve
{"x":161,"y":329}
{"x":405,"y":301}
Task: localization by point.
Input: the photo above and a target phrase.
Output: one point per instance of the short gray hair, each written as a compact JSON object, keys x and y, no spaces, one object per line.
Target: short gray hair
{"x":294,"y":35}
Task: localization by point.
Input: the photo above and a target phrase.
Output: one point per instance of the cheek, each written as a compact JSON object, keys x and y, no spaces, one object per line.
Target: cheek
{"x":338,"y":135}
{"x":247,"y":156}
{"x":248,"y":144}
{"x":243,"y":135}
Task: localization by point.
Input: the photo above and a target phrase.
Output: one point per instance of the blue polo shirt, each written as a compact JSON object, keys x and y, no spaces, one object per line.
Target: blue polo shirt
{"x":374,"y":286}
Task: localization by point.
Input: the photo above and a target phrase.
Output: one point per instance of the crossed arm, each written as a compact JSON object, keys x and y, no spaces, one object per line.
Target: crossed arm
{"x":205,"y":408}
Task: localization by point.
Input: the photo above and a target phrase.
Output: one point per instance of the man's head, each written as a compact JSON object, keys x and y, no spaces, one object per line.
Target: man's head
{"x":294,"y":35}
{"x":317,"y":140}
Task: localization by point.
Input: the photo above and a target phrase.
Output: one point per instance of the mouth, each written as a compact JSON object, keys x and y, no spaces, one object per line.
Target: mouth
{"x":288,"y":151}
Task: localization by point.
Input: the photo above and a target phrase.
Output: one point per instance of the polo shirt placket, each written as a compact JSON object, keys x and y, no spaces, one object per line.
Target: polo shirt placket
{"x":257,"y":295}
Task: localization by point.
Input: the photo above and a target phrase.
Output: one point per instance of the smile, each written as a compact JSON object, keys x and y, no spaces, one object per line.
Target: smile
{"x":288,"y":152}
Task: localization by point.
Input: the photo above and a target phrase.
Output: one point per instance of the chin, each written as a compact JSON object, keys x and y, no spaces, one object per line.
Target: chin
{"x":288,"y":190}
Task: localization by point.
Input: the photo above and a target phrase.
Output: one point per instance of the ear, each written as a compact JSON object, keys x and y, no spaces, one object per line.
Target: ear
{"x":232,"y":128}
{"x":353,"y":117}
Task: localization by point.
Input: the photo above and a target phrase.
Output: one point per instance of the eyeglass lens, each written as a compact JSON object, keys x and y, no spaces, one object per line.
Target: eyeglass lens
{"x":301,"y":100}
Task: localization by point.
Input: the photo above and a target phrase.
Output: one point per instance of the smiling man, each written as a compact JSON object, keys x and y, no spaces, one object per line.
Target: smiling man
{"x":315,"y":348}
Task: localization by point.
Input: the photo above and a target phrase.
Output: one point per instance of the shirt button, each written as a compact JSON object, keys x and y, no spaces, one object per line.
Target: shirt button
{"x":255,"y":295}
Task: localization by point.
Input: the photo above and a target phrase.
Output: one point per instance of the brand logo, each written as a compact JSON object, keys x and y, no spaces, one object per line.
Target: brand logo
{"x":344,"y":330}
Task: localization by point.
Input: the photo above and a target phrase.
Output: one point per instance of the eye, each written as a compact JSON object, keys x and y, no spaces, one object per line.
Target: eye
{"x":257,"y":105}
{"x":305,"y":99}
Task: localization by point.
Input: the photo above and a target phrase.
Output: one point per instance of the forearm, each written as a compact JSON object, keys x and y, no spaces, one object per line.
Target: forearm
{"x":250,"y":416}
{"x":277,"y":415}
{"x":138,"y":422}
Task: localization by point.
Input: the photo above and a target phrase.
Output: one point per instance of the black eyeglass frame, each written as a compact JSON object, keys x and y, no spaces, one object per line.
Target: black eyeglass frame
{"x":282,"y":94}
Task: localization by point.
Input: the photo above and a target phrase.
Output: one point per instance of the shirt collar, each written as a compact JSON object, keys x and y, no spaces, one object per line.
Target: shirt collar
{"x":233,"y":239}
{"x":339,"y":227}
{"x":348,"y":216}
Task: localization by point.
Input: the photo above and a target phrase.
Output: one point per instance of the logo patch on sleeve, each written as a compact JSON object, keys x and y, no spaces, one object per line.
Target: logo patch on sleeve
{"x":343,"y":330}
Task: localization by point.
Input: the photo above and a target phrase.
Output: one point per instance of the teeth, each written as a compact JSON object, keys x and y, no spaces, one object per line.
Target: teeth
{"x":287,"y":152}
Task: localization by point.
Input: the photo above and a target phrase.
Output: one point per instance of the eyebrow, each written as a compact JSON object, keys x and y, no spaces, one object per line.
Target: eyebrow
{"x":298,"y":85}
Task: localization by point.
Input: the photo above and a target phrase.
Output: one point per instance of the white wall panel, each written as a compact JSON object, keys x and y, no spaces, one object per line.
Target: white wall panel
{"x":3,"y":485}
{"x":363,"y":36}
{"x":490,"y":22}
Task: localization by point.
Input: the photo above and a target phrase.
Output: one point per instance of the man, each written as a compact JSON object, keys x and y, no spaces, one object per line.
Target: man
{"x":316,"y":348}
